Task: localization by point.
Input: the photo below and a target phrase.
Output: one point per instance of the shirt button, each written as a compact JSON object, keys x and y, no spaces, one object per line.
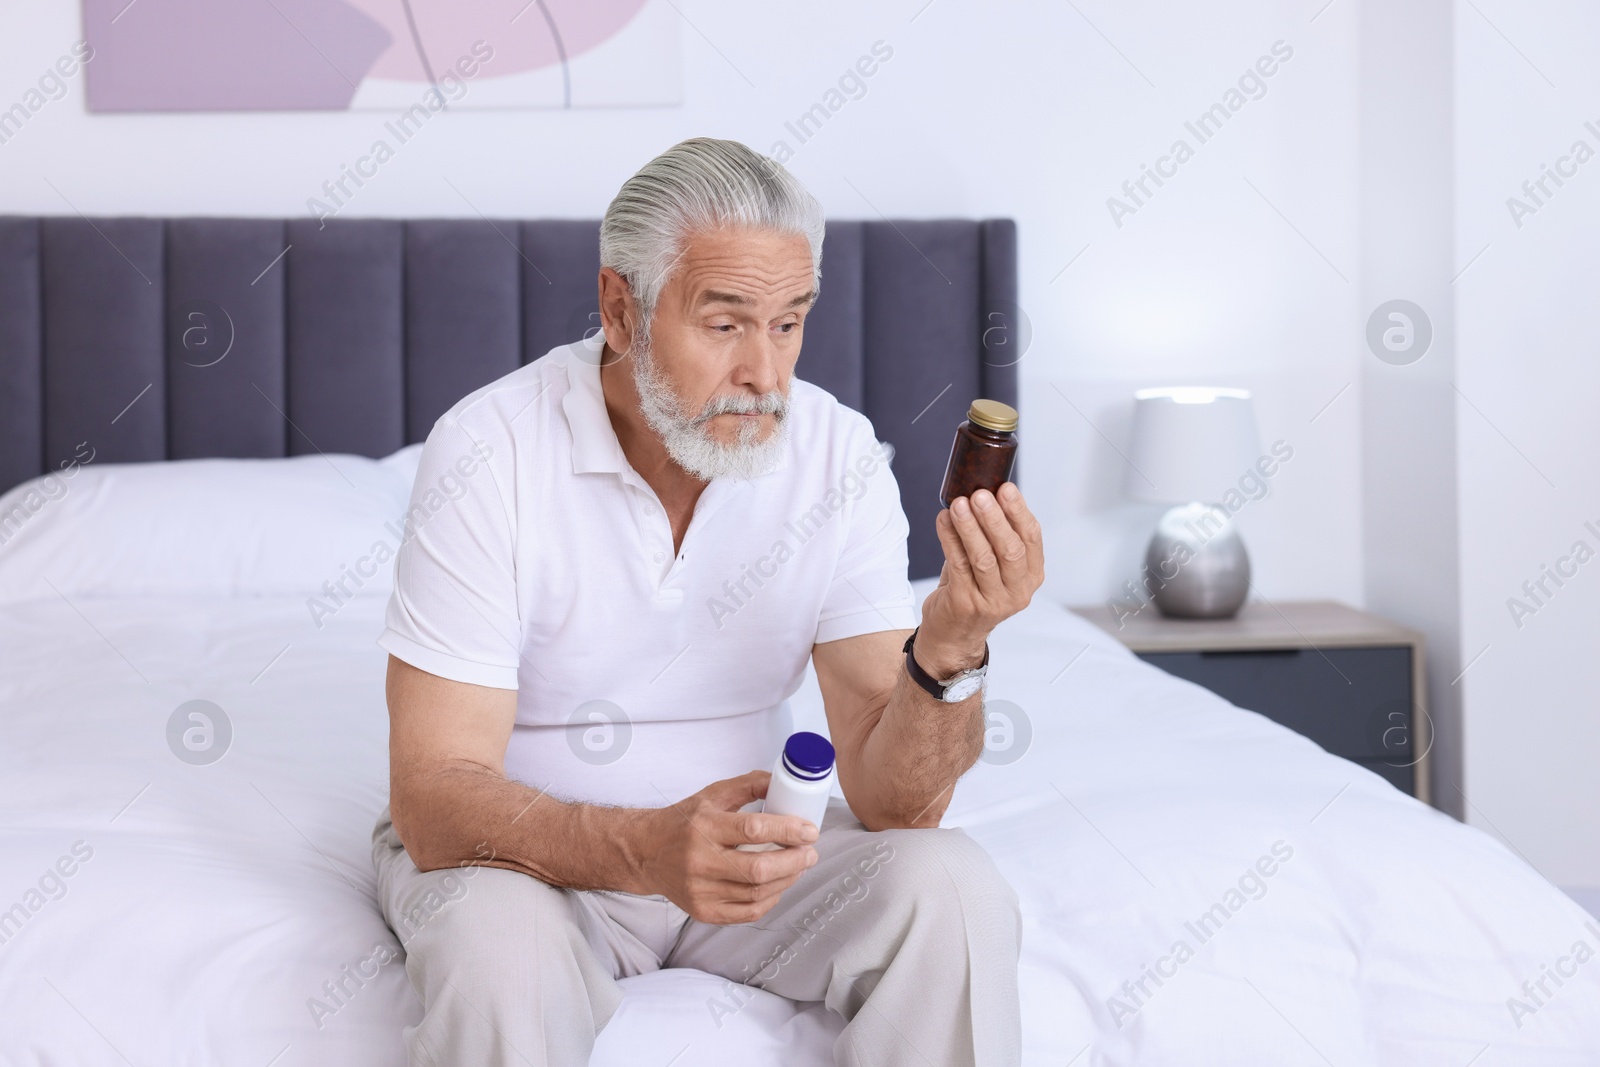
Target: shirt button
{"x":659,"y":558}
{"x":649,"y":509}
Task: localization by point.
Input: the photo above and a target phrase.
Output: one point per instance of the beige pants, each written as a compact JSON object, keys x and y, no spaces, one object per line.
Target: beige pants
{"x":911,"y":935}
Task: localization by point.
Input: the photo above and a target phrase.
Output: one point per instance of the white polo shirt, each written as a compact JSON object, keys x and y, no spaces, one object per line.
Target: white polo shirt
{"x":537,"y":559}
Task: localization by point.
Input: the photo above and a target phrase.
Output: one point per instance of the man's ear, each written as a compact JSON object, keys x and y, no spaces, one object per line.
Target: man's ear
{"x":618,"y":310}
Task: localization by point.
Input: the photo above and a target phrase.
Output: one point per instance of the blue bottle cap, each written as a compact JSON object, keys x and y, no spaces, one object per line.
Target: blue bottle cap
{"x":807,"y":755}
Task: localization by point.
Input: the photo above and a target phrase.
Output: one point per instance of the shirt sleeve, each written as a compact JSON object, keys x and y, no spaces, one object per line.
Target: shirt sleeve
{"x":870,"y":591}
{"x":453,"y":612}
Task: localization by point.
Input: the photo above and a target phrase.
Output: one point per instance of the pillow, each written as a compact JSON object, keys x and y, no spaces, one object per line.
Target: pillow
{"x":306,"y":526}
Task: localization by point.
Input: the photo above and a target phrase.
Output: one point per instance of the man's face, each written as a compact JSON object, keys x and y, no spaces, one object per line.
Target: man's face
{"x":727,"y":331}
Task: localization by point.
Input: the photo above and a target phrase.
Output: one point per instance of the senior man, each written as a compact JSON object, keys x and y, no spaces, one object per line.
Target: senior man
{"x":592,"y":643}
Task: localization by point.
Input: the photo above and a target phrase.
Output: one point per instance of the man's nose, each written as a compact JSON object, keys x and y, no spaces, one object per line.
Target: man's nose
{"x":757,"y":369}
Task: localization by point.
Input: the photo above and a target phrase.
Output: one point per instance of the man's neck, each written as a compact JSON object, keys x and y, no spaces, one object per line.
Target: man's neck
{"x":676,"y":488}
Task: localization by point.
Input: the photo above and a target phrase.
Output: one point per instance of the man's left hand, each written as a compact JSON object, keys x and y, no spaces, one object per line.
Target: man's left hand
{"x":993,"y":563}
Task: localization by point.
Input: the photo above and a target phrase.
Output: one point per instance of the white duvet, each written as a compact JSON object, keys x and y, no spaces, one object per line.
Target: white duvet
{"x":1200,"y":886}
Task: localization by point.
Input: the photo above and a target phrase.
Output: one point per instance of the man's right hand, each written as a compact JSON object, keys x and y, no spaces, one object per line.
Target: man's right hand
{"x":688,"y":852}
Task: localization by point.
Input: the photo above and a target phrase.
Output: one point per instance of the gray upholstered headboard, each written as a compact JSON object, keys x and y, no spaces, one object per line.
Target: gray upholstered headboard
{"x":367,"y":330}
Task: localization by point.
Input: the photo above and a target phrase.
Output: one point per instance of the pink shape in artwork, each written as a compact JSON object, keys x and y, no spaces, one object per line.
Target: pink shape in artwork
{"x":227,"y":55}
{"x":525,"y":34}
{"x":241,"y":55}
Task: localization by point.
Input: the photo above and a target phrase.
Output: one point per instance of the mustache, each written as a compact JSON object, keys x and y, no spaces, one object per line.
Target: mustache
{"x":774,"y":403}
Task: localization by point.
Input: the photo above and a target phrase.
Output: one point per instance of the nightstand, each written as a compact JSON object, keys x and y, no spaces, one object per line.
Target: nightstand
{"x":1350,"y":681}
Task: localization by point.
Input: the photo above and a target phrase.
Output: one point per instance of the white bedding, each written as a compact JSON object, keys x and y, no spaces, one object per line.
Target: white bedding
{"x":218,"y":899}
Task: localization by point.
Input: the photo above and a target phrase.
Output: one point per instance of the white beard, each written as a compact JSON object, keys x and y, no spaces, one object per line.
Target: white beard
{"x":688,"y":438}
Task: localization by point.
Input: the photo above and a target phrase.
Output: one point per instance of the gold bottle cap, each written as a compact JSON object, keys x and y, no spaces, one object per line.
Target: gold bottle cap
{"x":993,"y":415}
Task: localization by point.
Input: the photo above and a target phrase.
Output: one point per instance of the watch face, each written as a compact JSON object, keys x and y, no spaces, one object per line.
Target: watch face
{"x":962,"y":688}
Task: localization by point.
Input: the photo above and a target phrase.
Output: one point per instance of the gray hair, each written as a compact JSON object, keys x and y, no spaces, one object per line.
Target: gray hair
{"x":695,"y":186}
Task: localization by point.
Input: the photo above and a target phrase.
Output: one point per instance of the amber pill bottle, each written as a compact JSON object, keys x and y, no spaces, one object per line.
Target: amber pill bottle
{"x":984,"y":451}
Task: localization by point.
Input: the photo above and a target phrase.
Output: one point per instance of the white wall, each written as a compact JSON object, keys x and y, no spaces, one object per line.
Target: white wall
{"x":1529,"y":380}
{"x":1410,"y":546}
{"x":1023,"y":110}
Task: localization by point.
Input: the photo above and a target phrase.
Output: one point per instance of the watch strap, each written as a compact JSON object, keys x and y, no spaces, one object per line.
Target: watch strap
{"x":931,"y":685}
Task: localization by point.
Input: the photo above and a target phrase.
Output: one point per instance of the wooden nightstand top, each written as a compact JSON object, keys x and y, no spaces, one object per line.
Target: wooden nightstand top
{"x":1259,"y":624}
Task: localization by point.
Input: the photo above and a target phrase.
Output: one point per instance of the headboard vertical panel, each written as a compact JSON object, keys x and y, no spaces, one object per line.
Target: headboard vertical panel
{"x":831,"y":356}
{"x":105,"y":380}
{"x":463,"y":313}
{"x":922,"y":292}
{"x":560,"y":262}
{"x":225,"y":344}
{"x":346,"y":337}
{"x":1005,"y":331}
{"x":21,"y":354}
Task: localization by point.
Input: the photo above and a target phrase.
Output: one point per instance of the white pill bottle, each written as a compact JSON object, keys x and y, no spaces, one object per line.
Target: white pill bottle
{"x":802,"y":780}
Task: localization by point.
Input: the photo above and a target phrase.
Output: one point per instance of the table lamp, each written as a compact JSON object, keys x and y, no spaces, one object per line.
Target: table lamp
{"x":1191,"y":444}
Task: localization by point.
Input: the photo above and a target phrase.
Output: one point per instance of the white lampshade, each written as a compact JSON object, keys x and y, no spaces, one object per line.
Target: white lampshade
{"x":1190,"y":443}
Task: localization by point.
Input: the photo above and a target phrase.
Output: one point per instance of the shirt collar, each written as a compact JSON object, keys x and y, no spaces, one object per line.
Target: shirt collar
{"x":594,"y":442}
{"x":595,"y":448}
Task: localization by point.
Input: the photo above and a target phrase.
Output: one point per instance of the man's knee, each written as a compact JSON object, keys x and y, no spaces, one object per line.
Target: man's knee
{"x":480,"y":913}
{"x":499,"y":958}
{"x":499,"y":935}
{"x":942,"y":865}
{"x":431,"y":900}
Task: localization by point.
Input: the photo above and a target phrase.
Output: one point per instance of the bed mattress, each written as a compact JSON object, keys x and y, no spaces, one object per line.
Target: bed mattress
{"x":1199,"y":885}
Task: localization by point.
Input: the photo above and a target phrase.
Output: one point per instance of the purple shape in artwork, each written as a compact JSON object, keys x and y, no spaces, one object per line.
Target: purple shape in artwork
{"x":228,"y":55}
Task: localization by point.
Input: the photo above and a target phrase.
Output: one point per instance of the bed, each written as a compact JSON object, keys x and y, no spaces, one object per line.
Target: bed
{"x":192,"y":759}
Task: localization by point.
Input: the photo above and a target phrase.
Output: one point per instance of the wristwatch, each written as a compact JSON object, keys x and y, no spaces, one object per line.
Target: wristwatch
{"x":952,"y":690}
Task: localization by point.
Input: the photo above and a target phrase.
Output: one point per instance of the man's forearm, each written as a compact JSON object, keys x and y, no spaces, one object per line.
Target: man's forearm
{"x":468,"y":815}
{"x":915,"y":753}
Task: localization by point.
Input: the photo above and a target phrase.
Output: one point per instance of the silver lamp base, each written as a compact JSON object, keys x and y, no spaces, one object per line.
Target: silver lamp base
{"x":1197,"y":565}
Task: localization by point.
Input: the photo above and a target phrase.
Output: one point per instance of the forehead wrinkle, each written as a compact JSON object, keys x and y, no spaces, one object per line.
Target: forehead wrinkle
{"x":720,"y":296}
{"x":743,"y":287}
{"x":715,"y":269}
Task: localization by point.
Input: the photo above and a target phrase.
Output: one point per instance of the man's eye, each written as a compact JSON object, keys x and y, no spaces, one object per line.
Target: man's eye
{"x":788,"y":327}
{"x":723,"y":326}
